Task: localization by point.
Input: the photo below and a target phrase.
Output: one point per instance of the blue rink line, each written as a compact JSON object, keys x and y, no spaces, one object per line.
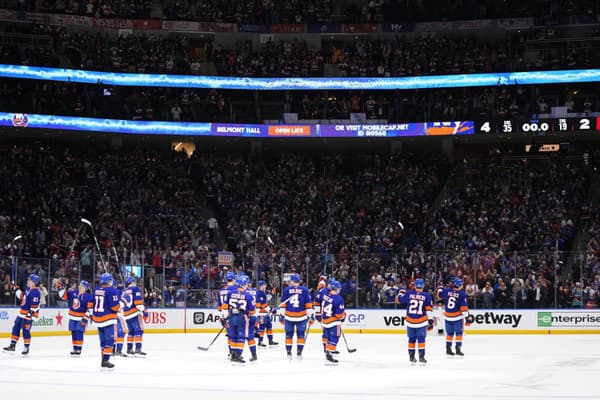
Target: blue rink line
{"x":241,"y":83}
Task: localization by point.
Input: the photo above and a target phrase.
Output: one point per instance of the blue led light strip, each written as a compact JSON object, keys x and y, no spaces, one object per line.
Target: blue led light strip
{"x":238,"y":83}
{"x":55,"y":122}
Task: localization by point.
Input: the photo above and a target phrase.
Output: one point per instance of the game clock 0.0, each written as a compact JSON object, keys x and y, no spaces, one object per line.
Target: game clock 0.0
{"x":539,"y":126}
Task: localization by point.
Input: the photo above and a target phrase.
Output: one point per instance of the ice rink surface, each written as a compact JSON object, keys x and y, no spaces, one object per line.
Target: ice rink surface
{"x":494,"y":367}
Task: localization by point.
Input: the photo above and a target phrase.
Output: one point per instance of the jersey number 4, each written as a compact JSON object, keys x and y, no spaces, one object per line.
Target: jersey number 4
{"x":295,"y":300}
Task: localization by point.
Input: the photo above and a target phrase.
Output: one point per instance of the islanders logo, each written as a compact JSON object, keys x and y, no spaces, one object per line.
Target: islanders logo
{"x":20,"y":120}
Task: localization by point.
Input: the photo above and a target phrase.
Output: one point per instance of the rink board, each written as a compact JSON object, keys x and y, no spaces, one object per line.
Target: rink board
{"x":55,"y":321}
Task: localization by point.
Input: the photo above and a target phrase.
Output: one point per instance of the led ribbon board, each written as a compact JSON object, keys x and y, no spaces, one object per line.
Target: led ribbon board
{"x":54,"y":122}
{"x":240,"y":83}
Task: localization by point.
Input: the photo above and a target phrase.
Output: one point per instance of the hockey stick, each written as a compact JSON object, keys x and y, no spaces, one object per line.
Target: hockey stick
{"x":88,"y":223}
{"x":346,"y":342}
{"x":13,"y":266}
{"x":213,"y":341}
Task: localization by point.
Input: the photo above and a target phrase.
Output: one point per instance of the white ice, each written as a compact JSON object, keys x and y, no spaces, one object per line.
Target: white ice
{"x":505,"y":367}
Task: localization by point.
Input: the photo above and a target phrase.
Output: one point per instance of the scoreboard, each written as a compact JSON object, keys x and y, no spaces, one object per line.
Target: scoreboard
{"x":539,"y":126}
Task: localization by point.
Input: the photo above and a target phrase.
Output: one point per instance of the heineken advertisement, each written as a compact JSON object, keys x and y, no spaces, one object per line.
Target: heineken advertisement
{"x":43,"y":321}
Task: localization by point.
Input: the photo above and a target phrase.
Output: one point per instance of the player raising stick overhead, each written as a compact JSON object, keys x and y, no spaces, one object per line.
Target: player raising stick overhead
{"x":81,"y":303}
{"x":456,"y":310}
{"x":418,"y":316}
{"x":28,"y":312}
{"x":296,"y":309}
{"x":332,"y":316}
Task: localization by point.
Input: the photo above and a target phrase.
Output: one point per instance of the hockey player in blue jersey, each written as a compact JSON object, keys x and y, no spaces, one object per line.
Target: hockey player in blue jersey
{"x":28,"y":312}
{"x":296,"y":310}
{"x":221,"y":299}
{"x":106,"y":306}
{"x":419,"y":315}
{"x":133,"y":314}
{"x":81,"y":303}
{"x":332,"y":316}
{"x":236,"y":309}
{"x":322,"y":289}
{"x":120,"y":325}
{"x":252,"y":319}
{"x":456,"y":310}
{"x":264,"y":316}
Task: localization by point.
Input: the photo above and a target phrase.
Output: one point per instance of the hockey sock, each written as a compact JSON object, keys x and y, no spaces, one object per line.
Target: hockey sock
{"x":448,"y":341}
{"x":458,"y":341}
{"x":77,"y":340}
{"x":300,"y":345}
{"x":138,"y":341}
{"x":288,"y":344}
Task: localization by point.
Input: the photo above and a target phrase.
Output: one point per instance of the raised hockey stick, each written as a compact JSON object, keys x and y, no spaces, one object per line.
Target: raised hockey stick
{"x":213,"y":341}
{"x":346,"y":342}
{"x":88,"y":223}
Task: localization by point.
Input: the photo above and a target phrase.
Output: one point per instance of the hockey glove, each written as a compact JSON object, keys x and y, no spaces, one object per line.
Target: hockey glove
{"x":469,"y":320}
{"x":311,"y":322}
{"x":281,"y":320}
{"x":145,"y":314}
{"x":84,"y":322}
{"x":225,"y":322}
{"x":430,"y":326}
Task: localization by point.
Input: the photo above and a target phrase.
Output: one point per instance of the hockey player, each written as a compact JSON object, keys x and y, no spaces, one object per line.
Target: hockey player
{"x":106,"y":306}
{"x":456,"y":310}
{"x":28,"y":312}
{"x":121,"y":324}
{"x":133,"y":314}
{"x":296,"y":309}
{"x":419,"y":315}
{"x":322,"y":289}
{"x":236,"y":307}
{"x":252,"y":319}
{"x":221,"y":299}
{"x":81,"y":303}
{"x":333,"y":314}
{"x":264,"y":315}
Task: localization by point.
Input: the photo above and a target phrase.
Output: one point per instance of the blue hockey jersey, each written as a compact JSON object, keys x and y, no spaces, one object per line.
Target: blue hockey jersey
{"x":332,"y":310}
{"x":419,"y":308}
{"x":30,"y":303}
{"x":253,"y":294}
{"x":295,"y":301}
{"x":238,"y":301}
{"x":134,"y":302}
{"x":79,"y":304}
{"x":106,"y":306}
{"x":455,"y":304}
